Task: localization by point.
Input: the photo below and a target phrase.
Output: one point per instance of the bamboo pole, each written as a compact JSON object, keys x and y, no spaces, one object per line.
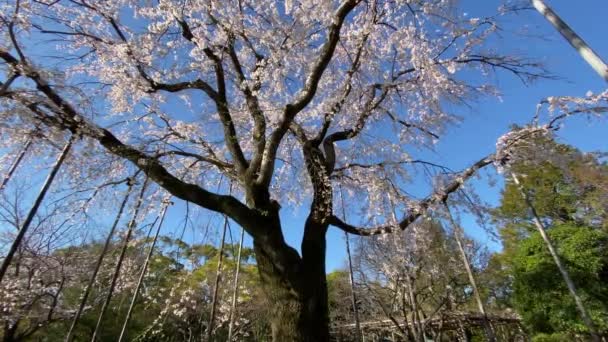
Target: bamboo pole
{"x":236,"y":287}
{"x":458,"y":233}
{"x":351,"y":278}
{"x":571,"y":287}
{"x":121,"y":257}
{"x":144,"y":269}
{"x":100,"y":258}
{"x":574,"y":39}
{"x":417,"y":327}
{"x":16,"y":163}
{"x":30,"y":216}
{"x":217,"y":281}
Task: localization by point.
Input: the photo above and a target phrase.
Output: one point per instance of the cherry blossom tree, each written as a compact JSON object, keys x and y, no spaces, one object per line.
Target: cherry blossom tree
{"x":287,"y":100}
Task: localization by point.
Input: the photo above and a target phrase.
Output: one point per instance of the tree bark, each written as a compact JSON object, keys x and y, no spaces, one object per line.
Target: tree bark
{"x":295,"y":286}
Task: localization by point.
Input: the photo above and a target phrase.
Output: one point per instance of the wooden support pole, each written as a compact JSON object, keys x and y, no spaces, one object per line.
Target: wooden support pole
{"x":562,"y":269}
{"x":100,"y":258}
{"x":236,"y":287}
{"x":30,"y":216}
{"x":144,"y":269}
{"x":121,"y":257}
{"x":353,"y":294}
{"x":458,"y":234}
{"x":574,"y":39}
{"x":16,"y":163}
{"x":218,"y":275}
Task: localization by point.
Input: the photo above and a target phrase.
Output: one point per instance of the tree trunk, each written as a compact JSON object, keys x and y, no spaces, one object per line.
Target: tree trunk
{"x":10,"y":331}
{"x":295,"y":286}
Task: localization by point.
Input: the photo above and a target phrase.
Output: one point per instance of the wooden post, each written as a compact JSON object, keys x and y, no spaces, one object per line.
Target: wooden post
{"x":577,"y":42}
{"x":16,"y":163}
{"x":353,"y":295}
{"x":102,"y":255}
{"x":30,"y":216}
{"x":236,"y":287}
{"x":571,"y":287}
{"x":121,"y":257}
{"x":144,"y":269}
{"x":217,"y":281}
{"x":458,"y":233}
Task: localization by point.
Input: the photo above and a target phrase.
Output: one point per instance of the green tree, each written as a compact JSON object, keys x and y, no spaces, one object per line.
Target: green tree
{"x":568,"y":191}
{"x":539,"y":292}
{"x":564,"y":185}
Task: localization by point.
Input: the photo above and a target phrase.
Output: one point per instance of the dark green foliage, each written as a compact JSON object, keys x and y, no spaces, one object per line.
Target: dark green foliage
{"x":539,"y":292}
{"x":569,"y":191}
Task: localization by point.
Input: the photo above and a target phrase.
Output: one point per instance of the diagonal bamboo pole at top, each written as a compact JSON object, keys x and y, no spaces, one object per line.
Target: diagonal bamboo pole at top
{"x":574,"y":39}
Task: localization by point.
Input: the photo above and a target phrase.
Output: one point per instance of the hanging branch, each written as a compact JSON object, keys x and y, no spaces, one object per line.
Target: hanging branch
{"x":236,"y":287}
{"x":467,"y":266}
{"x":217,"y":281}
{"x":166,"y":204}
{"x":353,"y":295}
{"x":16,"y":163}
{"x":541,"y":229}
{"x":30,"y":216}
{"x":123,"y":251}
{"x":102,"y":255}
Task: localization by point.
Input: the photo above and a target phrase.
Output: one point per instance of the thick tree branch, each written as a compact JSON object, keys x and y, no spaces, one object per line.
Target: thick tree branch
{"x":335,"y":109}
{"x":259,"y":128}
{"x":370,"y":105}
{"x":306,"y":94}
{"x":230,"y":136}
{"x":438,"y":196}
{"x":67,"y":117}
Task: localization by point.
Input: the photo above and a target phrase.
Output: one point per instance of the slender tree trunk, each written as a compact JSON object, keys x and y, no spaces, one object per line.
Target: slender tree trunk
{"x":30,"y":216}
{"x":458,"y":233}
{"x":100,"y":258}
{"x":218,"y":276}
{"x":16,"y":163}
{"x":577,"y":42}
{"x":143,"y":271}
{"x":571,"y":287}
{"x":121,"y":257}
{"x":235,"y":290}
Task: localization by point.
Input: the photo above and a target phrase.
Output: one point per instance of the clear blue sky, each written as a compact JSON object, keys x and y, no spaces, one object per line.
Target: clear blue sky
{"x":527,"y":34}
{"x":531,"y":35}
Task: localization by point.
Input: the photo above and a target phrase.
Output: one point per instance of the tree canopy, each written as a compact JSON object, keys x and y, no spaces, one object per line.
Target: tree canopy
{"x":244,"y":107}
